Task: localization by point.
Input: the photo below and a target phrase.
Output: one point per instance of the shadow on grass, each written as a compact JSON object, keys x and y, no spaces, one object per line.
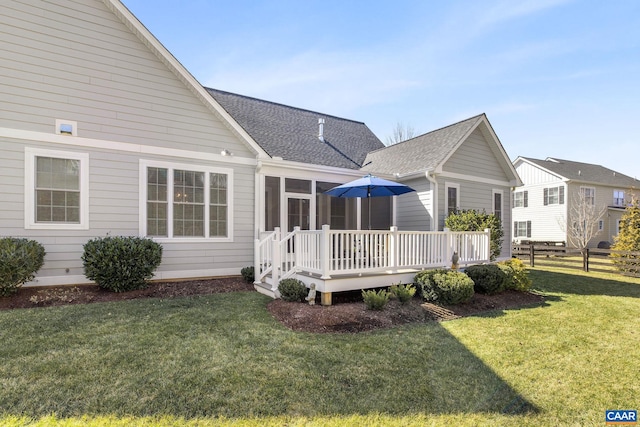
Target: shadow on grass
{"x":225,"y":356}
{"x":583,"y":284}
{"x":503,"y":311}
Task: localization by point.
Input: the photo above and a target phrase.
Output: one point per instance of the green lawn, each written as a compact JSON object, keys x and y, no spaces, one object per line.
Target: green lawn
{"x":223,"y":360}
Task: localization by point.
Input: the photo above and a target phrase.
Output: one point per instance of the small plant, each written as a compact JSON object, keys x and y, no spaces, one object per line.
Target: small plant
{"x":248,"y":274}
{"x":404,"y":293}
{"x":375,"y":300}
{"x":487,"y":278}
{"x":292,"y":290}
{"x":20,"y":260}
{"x":444,"y":286}
{"x":517,"y":275}
{"x":121,"y":264}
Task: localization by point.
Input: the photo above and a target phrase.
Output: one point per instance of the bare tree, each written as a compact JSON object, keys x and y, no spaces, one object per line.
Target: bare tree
{"x":401,"y":132}
{"x":584,"y":216}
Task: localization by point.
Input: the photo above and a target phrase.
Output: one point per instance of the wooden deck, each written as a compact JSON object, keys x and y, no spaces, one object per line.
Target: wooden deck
{"x":344,"y":260}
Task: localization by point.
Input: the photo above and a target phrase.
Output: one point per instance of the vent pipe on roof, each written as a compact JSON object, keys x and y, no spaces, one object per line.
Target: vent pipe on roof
{"x":321,"y":129}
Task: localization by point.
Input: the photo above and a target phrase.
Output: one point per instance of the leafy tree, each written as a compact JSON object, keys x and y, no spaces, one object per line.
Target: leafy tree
{"x":628,"y":238}
{"x":471,"y":220}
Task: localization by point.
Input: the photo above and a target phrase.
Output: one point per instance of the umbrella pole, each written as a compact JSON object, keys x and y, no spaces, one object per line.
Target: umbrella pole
{"x":369,"y":205}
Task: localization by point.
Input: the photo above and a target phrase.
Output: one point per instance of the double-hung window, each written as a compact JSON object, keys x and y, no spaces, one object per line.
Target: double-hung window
{"x":56,"y":189}
{"x":521,"y":199}
{"x":588,"y":194}
{"x":554,"y":196}
{"x":452,"y":197}
{"x":521,"y":229}
{"x":497,"y":204}
{"x":618,"y":198}
{"x":186,"y":201}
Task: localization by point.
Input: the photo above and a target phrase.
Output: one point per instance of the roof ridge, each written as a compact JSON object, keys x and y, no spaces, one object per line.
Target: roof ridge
{"x":324,"y":115}
{"x":430,"y":132}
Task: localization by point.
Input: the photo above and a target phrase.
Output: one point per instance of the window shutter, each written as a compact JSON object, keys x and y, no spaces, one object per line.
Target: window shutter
{"x":546,"y":196}
{"x":528,"y":228}
{"x":526,"y":199}
{"x":515,"y":229}
{"x":561,"y":197}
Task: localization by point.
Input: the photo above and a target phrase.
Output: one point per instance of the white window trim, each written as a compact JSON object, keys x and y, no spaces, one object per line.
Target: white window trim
{"x":583,"y":191}
{"x":448,"y":185}
{"x":142,"y":225}
{"x":493,"y":202}
{"x":30,"y":223}
{"x":624,"y":203}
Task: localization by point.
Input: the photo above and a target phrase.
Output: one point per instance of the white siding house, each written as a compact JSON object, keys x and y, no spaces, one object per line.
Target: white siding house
{"x":542,"y":206}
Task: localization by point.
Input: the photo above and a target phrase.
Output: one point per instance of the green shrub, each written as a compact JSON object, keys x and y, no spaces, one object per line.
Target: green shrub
{"x":20,"y":260}
{"x":444,"y":286}
{"x":470,"y":220}
{"x":487,"y":278}
{"x":121,"y":264}
{"x":375,"y":300}
{"x":247,"y":274}
{"x":404,"y":293}
{"x":292,"y":290}
{"x":517,"y":275}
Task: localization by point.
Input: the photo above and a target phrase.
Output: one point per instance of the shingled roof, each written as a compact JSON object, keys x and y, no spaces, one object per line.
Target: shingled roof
{"x":292,"y":133}
{"x":421,"y":153}
{"x":584,"y":172}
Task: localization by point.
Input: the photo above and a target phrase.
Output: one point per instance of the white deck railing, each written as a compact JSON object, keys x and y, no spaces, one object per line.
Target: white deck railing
{"x":333,"y":252}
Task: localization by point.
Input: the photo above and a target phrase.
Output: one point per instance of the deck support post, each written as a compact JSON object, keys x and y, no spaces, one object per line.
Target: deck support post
{"x":325,"y":298}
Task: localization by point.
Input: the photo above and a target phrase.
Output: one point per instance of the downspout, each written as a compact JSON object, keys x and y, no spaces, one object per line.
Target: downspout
{"x":434,"y":199}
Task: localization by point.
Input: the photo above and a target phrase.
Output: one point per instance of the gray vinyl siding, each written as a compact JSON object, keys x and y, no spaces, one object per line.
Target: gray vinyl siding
{"x":74,"y":60}
{"x":478,"y":196}
{"x":114,"y":206}
{"x":475,"y":157}
{"x":414,"y":209}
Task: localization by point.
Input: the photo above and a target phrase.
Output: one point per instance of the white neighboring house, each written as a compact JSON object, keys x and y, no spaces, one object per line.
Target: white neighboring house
{"x":541,"y":205}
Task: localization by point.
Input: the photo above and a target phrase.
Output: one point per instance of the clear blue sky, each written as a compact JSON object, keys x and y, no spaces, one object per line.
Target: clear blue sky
{"x":557,"y":78}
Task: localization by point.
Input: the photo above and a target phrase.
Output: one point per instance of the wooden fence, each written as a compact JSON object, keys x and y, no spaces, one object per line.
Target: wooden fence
{"x":593,"y":259}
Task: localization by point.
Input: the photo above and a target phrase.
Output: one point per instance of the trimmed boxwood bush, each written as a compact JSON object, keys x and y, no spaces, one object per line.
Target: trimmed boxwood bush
{"x":292,"y":290}
{"x":121,"y":264}
{"x":517,"y":275}
{"x":375,"y":300}
{"x":444,"y":286}
{"x":487,"y":278}
{"x":20,"y":260}
{"x":248,"y":274}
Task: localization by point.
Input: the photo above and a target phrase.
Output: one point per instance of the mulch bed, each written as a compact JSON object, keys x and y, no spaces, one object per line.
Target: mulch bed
{"x":347,"y":314}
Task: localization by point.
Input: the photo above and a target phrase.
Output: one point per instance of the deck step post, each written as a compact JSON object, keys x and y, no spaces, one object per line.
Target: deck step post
{"x":325,"y":298}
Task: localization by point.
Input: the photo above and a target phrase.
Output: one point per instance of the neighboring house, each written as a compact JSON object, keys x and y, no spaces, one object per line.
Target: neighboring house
{"x":103,"y":131}
{"x":541,"y":206}
{"x":461,"y":166}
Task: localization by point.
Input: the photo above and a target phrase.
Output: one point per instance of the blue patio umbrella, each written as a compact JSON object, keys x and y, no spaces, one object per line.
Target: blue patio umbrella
{"x":367,"y":187}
